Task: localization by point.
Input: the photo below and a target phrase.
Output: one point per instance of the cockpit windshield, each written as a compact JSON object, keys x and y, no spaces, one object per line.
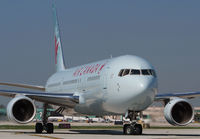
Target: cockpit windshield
{"x":145,"y":72}
{"x":135,"y":72}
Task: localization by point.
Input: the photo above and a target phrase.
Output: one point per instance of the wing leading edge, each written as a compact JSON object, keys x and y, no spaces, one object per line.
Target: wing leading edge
{"x":60,"y":99}
{"x":41,"y":88}
{"x":188,"y":95}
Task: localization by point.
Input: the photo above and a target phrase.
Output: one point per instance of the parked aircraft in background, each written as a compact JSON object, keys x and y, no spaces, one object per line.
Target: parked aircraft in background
{"x":124,"y":85}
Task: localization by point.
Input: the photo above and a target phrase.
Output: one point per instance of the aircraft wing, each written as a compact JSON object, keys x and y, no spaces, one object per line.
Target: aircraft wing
{"x":189,"y":95}
{"x":41,"y":88}
{"x":60,"y":99}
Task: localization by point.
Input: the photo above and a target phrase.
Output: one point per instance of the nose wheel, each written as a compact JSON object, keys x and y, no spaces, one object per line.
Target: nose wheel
{"x":130,"y":129}
{"x":133,"y":128}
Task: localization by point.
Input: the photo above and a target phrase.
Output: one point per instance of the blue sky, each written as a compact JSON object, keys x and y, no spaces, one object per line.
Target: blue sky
{"x":166,"y":33}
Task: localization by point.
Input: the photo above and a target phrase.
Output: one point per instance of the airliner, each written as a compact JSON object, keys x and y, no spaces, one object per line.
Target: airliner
{"x":124,"y":85}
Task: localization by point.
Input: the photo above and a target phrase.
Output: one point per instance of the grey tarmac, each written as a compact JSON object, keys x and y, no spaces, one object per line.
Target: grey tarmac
{"x":99,"y":134}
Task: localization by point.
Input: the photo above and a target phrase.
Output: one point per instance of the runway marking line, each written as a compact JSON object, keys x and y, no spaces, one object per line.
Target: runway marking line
{"x":43,"y":136}
{"x":18,"y":133}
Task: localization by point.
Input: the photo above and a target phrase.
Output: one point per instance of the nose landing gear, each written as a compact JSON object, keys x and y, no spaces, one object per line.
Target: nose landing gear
{"x":133,"y":128}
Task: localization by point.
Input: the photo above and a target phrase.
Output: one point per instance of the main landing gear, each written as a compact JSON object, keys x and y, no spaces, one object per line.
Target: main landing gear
{"x":133,"y":128}
{"x":45,"y":125}
{"x":39,"y":127}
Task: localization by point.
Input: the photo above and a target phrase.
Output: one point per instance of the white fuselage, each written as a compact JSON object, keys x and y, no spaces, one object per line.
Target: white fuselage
{"x":101,"y":88}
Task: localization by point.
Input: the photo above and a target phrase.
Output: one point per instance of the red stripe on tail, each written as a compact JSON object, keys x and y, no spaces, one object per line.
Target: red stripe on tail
{"x":56,"y":49}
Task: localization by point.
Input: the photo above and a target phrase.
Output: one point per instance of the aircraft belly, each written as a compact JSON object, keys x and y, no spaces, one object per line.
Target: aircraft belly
{"x":120,"y":104}
{"x":92,"y":105}
{"x":113,"y":105}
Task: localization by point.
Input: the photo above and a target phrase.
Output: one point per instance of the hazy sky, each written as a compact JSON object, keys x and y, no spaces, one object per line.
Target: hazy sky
{"x":166,"y":33}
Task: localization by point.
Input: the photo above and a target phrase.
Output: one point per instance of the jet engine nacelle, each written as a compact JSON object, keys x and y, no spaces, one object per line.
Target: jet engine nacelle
{"x":179,"y":112}
{"x":21,"y":109}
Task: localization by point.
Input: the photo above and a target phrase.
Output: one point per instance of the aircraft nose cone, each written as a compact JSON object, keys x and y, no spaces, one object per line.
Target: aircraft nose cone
{"x":146,"y":84}
{"x":142,"y":94}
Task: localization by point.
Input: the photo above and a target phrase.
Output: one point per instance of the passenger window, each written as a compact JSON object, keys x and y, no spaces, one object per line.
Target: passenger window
{"x":126,"y":72}
{"x":135,"y":72}
{"x":120,"y":73}
{"x":145,"y":72}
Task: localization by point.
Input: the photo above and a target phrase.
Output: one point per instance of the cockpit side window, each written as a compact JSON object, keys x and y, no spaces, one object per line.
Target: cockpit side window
{"x":121,"y":72}
{"x":126,"y":72}
{"x":150,"y":72}
{"x":153,"y":73}
{"x":135,"y":72}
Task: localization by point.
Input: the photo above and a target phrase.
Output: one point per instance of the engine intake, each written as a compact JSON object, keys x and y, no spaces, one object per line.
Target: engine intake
{"x":179,"y":112}
{"x":21,"y":109}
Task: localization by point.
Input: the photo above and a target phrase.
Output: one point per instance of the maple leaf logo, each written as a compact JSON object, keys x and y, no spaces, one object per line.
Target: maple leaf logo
{"x":56,"y":49}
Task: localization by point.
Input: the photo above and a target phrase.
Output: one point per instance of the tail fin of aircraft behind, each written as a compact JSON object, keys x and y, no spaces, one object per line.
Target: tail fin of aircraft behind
{"x":59,"y":60}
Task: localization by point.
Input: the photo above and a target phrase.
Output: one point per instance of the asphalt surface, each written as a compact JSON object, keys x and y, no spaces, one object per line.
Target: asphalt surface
{"x":99,"y":134}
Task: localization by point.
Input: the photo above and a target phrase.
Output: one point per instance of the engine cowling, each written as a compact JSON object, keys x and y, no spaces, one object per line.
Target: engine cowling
{"x":179,"y":112}
{"x":21,"y":109}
